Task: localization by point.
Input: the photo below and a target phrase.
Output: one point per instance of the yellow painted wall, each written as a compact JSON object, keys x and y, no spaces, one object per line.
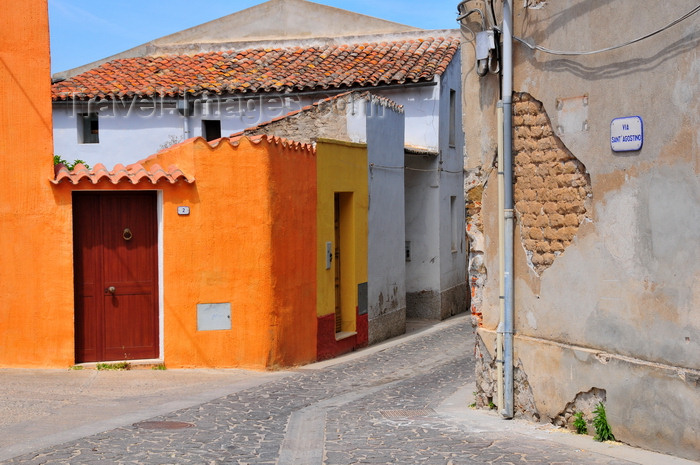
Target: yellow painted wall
{"x":36,"y":287}
{"x":342,"y":167}
{"x":248,"y":240}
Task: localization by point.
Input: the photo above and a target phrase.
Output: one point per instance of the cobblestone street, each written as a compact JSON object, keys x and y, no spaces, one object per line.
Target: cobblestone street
{"x":394,"y":405}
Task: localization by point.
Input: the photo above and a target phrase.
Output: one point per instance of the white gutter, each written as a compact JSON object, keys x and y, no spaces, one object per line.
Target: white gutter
{"x":501,"y":261}
{"x":507,"y":95}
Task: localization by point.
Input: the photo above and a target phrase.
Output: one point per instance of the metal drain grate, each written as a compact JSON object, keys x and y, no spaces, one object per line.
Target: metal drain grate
{"x":163,"y":425}
{"x":404,"y":413}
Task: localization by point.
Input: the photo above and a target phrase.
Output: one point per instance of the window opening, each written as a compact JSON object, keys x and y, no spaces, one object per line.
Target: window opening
{"x":338,"y":293}
{"x":453,"y":223}
{"x":453,"y":118}
{"x":211,"y":129}
{"x":89,"y":128}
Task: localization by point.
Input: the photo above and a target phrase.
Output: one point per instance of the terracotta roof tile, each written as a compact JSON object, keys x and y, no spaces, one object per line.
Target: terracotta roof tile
{"x":265,"y":70}
{"x":134,"y":173}
{"x":269,"y":139}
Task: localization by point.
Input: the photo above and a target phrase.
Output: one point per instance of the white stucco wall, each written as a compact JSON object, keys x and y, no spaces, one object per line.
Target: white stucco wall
{"x":423,"y":223}
{"x":453,"y":254}
{"x":421,"y":107}
{"x":154,"y":122}
{"x":436,"y":273}
{"x":130,"y":132}
{"x":124,"y":136}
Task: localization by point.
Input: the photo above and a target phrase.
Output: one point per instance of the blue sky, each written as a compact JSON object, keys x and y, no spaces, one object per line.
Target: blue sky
{"x":83,"y":31}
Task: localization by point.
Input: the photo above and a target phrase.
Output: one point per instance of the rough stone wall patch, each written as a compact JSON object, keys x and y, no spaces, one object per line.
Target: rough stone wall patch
{"x":551,"y":186}
{"x":474,"y":184}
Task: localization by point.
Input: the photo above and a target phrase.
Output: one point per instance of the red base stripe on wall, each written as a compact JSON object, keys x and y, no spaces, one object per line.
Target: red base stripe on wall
{"x":326,"y":345}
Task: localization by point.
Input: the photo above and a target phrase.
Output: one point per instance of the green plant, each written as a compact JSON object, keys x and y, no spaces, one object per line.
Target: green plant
{"x":113,"y":366}
{"x":76,"y":367}
{"x":473,"y":404}
{"x":492,"y":406}
{"x":600,"y":422}
{"x":160,"y":366}
{"x":580,"y":423}
{"x":57,"y":159}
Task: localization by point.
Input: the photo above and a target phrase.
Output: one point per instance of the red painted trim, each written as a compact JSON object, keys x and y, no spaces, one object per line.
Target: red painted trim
{"x":326,"y":345}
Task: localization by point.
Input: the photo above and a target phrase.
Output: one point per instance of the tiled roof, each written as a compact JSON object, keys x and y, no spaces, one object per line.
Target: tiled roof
{"x":148,"y":169}
{"x":271,"y":139}
{"x":265,"y":70}
{"x":134,"y":173}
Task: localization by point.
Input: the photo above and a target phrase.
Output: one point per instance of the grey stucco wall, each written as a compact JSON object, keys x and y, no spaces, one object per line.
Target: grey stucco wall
{"x":386,"y":267}
{"x":618,"y":308}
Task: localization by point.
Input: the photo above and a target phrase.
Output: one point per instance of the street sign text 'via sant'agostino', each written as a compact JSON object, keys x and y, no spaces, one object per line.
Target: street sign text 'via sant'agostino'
{"x":626,"y":134}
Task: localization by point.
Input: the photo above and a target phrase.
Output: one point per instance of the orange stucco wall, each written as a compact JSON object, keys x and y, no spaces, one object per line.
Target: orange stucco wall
{"x":248,"y":241}
{"x":36,"y":288}
{"x":293,"y":208}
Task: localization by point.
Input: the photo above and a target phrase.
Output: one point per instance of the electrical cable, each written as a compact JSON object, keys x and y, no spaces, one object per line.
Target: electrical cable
{"x":468,"y":13}
{"x":463,"y":7}
{"x":607,"y":49}
{"x":434,"y":170}
{"x":494,"y":23}
{"x":490,"y":63}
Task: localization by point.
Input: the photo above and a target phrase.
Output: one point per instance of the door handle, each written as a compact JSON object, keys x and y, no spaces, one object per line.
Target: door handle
{"x":111,"y":290}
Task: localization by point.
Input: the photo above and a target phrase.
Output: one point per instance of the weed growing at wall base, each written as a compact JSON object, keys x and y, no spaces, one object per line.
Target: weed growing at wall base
{"x":580,"y":423}
{"x":602,"y":428}
{"x":114,"y":366}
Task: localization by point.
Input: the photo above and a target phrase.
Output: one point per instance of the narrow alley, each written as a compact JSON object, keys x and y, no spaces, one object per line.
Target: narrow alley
{"x":404,"y":401}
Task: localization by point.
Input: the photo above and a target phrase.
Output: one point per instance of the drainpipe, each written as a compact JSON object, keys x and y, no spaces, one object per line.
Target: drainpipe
{"x":501,"y":261}
{"x":186,"y":127}
{"x":184,"y":107}
{"x":507,"y":95}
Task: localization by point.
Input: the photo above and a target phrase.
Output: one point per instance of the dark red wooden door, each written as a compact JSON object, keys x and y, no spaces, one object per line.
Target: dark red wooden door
{"x":116,"y":285}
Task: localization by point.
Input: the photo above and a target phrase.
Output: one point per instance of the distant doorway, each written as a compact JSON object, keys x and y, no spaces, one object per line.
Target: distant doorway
{"x":116,"y":276}
{"x":345,"y":288}
{"x":338,"y":268}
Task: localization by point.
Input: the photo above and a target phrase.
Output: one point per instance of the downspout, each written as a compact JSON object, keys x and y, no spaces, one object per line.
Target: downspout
{"x":507,"y":95}
{"x":186,"y":127}
{"x":184,"y":107}
{"x":501,"y":261}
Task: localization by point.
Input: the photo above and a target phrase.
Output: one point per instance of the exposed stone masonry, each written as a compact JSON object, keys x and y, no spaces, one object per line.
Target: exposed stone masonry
{"x":552,"y":187}
{"x":474,"y":184}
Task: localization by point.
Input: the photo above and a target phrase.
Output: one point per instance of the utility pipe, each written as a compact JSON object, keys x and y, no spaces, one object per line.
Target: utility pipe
{"x":501,"y":261}
{"x":507,"y":96}
{"x":183,"y":107}
{"x":186,"y":127}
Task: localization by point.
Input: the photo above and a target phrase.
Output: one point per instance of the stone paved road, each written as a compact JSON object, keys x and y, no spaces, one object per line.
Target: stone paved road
{"x":387,"y":407}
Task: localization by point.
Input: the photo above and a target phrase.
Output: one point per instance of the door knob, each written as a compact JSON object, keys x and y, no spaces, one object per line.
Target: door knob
{"x":111,"y":289}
